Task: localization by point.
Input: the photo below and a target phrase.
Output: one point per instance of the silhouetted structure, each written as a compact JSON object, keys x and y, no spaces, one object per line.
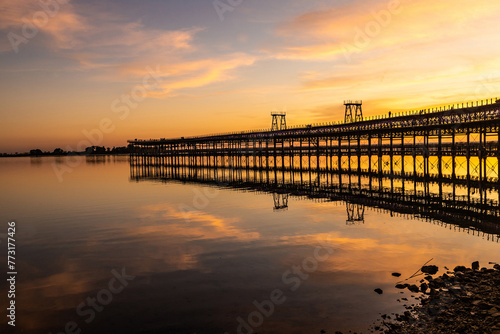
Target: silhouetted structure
{"x":353,"y":111}
{"x":280,"y":201}
{"x":458,"y":143}
{"x":279,"y":121}
{"x":355,"y":213}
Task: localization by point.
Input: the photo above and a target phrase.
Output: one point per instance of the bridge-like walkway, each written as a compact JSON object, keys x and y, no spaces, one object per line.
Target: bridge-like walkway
{"x":418,"y":140}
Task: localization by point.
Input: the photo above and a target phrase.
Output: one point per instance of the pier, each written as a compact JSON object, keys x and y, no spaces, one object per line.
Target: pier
{"x":458,"y":143}
{"x":439,"y":164}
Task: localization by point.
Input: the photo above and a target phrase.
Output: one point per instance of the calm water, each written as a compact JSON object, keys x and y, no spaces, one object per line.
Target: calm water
{"x":197,"y":259}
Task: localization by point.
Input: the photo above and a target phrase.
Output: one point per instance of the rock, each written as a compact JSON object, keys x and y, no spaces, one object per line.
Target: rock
{"x":433,"y":311}
{"x":414,"y":288}
{"x":463,"y":301}
{"x":396,"y":274}
{"x":439,"y":281}
{"x":475,"y":265}
{"x":379,"y":291}
{"x":460,"y":268}
{"x":431,"y":270}
{"x":497,"y":266}
{"x":481,"y":304}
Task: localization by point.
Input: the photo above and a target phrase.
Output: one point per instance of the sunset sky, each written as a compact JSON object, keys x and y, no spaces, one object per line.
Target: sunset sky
{"x":74,"y":72}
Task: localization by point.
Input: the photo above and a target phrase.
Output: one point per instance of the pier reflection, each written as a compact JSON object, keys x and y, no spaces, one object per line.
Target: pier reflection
{"x":472,"y":207}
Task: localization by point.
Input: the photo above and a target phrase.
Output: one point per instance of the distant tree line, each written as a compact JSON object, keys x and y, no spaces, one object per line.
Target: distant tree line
{"x":91,"y":150}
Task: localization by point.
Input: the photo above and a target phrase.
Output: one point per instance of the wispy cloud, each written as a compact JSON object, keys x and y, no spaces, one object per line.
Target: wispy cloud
{"x":397,"y":46}
{"x":30,"y":19}
{"x":112,"y":48}
{"x":325,"y":34}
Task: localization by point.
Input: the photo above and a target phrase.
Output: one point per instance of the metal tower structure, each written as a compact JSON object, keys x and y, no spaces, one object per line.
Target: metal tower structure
{"x":279,"y":121}
{"x":355,"y":213}
{"x":280,"y":201}
{"x":353,"y":111}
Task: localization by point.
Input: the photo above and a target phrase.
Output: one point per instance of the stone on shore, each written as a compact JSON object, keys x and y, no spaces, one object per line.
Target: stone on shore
{"x":466,"y":301}
{"x":431,"y":270}
{"x":475,"y":265}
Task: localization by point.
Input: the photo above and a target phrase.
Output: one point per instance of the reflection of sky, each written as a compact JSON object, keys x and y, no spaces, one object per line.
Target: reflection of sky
{"x":199,"y":270}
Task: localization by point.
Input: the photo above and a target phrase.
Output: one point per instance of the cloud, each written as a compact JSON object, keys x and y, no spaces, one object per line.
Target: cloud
{"x":416,"y":52}
{"x":112,"y":48}
{"x":28,"y":20}
{"x":202,"y":73}
{"x":359,"y":26}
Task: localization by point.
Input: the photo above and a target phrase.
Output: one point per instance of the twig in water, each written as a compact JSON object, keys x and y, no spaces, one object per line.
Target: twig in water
{"x":415,"y":274}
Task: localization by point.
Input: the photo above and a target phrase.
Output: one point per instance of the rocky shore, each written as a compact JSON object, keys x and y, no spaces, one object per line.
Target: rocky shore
{"x":463,"y":300}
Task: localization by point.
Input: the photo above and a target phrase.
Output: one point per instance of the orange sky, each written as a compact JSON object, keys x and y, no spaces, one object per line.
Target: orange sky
{"x":91,"y":72}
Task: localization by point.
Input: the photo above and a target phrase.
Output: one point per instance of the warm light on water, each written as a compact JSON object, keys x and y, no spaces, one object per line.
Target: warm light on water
{"x":202,"y":255}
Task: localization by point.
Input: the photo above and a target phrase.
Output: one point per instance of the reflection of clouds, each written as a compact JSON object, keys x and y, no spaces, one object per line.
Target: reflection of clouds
{"x":61,"y":284}
{"x":192,"y":224}
{"x":164,"y":242}
{"x":363,"y":255}
{"x":169,"y":238}
{"x":214,"y":256}
{"x":59,"y":291}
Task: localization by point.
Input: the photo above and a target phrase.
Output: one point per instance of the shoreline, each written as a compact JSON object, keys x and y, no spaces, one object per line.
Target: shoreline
{"x":80,"y":154}
{"x":463,"y":300}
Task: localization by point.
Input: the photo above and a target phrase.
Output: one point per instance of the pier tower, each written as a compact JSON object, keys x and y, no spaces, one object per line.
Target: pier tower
{"x":279,"y":120}
{"x":353,"y":111}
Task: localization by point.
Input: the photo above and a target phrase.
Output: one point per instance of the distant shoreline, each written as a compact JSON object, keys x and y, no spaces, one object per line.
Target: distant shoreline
{"x":89,"y":151}
{"x":19,"y":155}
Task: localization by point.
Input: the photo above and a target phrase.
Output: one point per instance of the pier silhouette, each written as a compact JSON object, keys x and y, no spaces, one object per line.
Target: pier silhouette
{"x":438,"y":164}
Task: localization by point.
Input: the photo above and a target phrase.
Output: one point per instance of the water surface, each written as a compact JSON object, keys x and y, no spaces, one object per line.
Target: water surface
{"x":203,"y":257}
